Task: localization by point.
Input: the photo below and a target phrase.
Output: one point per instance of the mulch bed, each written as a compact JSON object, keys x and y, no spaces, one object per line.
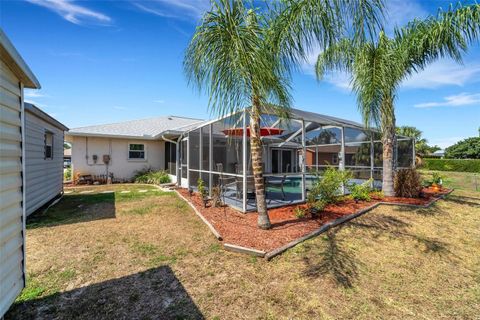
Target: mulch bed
{"x":241,"y":229}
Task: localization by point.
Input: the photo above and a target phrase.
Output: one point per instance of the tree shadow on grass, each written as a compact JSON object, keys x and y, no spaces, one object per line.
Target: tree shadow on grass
{"x":74,"y":209}
{"x":387,"y":225}
{"x":463,"y":200}
{"x":335,"y":260}
{"x":152,"y":294}
{"x":433,"y":210}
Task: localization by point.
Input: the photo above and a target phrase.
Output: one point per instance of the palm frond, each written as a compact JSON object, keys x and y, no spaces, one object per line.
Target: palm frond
{"x":227,"y":57}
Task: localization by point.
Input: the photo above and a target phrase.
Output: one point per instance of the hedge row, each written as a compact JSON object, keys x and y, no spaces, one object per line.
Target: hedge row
{"x":459,"y":165}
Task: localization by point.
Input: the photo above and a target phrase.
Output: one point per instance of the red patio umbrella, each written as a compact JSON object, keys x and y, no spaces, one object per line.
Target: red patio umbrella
{"x":264,"y":131}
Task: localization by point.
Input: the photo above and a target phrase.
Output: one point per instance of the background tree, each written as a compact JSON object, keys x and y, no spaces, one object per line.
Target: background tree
{"x":421,"y":144}
{"x":379,"y":67}
{"x":243,"y":57}
{"x":465,"y":149}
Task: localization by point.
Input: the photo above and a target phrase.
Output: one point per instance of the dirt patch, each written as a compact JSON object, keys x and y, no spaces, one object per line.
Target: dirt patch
{"x":241,"y":229}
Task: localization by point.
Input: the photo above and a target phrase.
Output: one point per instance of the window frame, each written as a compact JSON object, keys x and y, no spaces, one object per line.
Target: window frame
{"x":45,"y":145}
{"x":144,"y":151}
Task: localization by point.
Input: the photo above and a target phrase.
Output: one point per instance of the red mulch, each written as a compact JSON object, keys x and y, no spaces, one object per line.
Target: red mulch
{"x":241,"y":229}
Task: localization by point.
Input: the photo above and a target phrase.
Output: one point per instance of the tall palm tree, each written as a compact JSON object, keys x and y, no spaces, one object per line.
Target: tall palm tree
{"x":243,"y":57}
{"x":379,"y":67}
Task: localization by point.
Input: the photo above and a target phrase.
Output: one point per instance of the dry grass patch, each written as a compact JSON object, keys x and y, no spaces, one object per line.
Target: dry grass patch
{"x":161,"y":262}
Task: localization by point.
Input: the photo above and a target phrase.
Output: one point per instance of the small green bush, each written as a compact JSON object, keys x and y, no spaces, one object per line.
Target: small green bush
{"x":67,"y":174}
{"x":377,"y":195}
{"x":320,"y":205}
{"x":328,"y":187}
{"x":361,"y":192}
{"x":407,"y":183}
{"x":150,"y":176}
{"x":201,"y":187}
{"x":299,"y":213}
{"x":459,"y":165}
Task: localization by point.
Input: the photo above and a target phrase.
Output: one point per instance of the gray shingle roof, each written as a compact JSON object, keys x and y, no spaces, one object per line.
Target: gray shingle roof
{"x":151,"y":128}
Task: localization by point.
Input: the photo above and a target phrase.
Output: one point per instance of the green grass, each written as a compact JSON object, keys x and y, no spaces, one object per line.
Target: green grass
{"x":467,"y":181}
{"x":391,"y":263}
{"x":76,"y":206}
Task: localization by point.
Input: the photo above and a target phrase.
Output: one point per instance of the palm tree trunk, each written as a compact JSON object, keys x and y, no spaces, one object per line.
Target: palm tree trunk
{"x":263,"y":221}
{"x":388,"y":164}
{"x":388,"y":140}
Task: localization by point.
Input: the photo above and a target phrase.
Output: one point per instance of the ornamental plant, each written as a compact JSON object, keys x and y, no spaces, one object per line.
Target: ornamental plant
{"x":407,"y":183}
{"x":361,"y":192}
{"x":329,"y":186}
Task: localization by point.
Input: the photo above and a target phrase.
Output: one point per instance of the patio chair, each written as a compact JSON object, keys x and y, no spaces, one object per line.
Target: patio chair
{"x":275,"y":183}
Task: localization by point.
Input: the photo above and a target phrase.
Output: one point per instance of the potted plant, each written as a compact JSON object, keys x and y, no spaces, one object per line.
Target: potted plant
{"x":437,"y":182}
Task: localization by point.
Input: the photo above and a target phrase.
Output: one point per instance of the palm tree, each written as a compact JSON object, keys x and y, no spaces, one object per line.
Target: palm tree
{"x":379,"y":67}
{"x":421,"y":144}
{"x":243,"y":57}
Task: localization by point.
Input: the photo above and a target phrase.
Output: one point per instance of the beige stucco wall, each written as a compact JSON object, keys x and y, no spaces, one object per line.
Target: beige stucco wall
{"x":120,"y":165}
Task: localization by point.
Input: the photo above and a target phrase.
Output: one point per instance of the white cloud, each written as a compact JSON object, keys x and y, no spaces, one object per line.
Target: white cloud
{"x":462,"y":99}
{"x":400,"y":12}
{"x":443,"y":73}
{"x":174,"y":8}
{"x":72,"y":12}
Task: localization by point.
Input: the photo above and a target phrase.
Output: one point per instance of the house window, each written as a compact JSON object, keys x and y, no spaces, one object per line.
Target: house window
{"x":136,"y":151}
{"x":48,"y":145}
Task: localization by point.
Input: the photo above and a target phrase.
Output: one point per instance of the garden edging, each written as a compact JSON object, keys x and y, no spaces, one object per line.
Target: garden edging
{"x":336,"y":222}
{"x":275,"y":252}
{"x":197,"y":212}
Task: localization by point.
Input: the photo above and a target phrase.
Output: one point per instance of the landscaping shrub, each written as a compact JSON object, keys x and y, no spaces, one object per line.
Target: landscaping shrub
{"x":460,"y":165}
{"x":361,"y":192}
{"x":201,"y":187}
{"x":299,"y":213}
{"x":150,"y":176}
{"x":67,"y":174}
{"x":407,"y":183}
{"x":328,"y":187}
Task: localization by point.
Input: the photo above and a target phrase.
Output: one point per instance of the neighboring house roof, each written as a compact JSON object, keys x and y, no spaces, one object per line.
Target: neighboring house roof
{"x":152,"y":128}
{"x":15,"y":62}
{"x":44,"y":116}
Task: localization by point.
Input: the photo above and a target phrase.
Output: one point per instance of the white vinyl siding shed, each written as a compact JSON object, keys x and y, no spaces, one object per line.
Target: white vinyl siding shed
{"x":44,"y":175}
{"x":14,"y":76}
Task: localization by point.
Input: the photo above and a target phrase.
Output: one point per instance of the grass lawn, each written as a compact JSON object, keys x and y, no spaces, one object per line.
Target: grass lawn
{"x":148,"y":256}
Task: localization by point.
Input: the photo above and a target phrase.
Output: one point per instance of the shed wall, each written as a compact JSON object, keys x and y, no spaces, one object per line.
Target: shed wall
{"x":11,"y":197}
{"x":44,"y":177}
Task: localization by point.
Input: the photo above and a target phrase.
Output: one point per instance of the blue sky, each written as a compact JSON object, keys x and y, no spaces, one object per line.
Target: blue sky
{"x":109,"y":61}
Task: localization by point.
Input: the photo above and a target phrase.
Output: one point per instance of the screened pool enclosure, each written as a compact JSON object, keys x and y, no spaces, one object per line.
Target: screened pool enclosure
{"x":295,"y":152}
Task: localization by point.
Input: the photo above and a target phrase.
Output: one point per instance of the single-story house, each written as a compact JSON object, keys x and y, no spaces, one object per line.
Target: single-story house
{"x":44,"y":157}
{"x":15,"y":75}
{"x":218,"y":152}
{"x":118,"y":150}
